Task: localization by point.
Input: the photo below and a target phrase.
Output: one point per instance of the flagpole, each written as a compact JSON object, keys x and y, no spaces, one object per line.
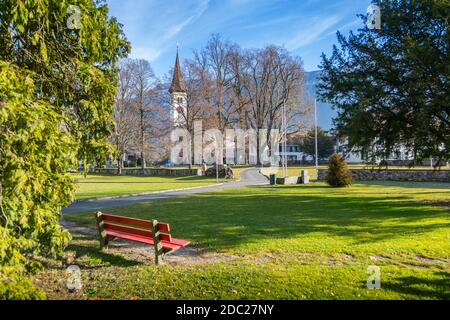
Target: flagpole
{"x":316,"y":136}
{"x":284,"y":125}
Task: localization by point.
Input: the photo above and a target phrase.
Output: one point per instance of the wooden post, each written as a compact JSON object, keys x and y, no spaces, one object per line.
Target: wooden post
{"x":156,"y":241}
{"x":101,"y":231}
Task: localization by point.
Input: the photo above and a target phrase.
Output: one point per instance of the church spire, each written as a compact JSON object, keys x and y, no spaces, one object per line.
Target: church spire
{"x":178,"y":84}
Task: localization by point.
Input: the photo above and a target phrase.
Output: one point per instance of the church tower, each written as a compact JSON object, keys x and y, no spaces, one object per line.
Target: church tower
{"x":178,"y":96}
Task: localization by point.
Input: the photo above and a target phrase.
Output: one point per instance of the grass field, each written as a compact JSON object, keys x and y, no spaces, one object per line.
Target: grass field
{"x":285,"y":242}
{"x":97,"y":186}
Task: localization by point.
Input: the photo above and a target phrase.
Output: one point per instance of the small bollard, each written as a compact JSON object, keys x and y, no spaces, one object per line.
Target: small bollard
{"x":273,"y":179}
{"x":305,"y":176}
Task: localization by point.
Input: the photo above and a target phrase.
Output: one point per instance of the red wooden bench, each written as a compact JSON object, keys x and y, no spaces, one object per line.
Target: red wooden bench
{"x":149,"y":232}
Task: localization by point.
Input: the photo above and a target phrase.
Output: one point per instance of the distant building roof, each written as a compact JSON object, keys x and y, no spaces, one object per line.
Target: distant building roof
{"x":178,"y":84}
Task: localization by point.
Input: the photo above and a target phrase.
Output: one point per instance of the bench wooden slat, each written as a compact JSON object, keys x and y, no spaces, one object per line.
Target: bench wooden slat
{"x":179,"y":242}
{"x":129,"y":236}
{"x":174,"y":244}
{"x":134,"y":222}
{"x":164,"y":227}
{"x":137,"y":238}
{"x":125,"y":229}
{"x":135,"y":231}
{"x":126,"y":220}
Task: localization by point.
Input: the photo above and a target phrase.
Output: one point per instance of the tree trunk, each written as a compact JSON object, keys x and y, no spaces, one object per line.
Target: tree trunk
{"x":85,"y":171}
{"x":120,"y":165}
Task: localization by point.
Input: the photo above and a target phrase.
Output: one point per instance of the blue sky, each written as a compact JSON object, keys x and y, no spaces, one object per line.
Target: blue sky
{"x":305,"y":27}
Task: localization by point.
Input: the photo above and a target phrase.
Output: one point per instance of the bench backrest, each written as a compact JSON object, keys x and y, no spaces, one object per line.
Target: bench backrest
{"x":135,"y":226}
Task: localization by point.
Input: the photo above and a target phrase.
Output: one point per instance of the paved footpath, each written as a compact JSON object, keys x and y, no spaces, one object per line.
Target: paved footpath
{"x":250,"y":177}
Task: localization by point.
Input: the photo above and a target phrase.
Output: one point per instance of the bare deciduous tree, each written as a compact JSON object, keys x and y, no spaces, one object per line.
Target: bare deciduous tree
{"x":141,"y":116}
{"x":124,"y":134}
{"x":143,"y":84}
{"x":227,"y":87}
{"x":271,"y":78}
{"x":231,"y":87}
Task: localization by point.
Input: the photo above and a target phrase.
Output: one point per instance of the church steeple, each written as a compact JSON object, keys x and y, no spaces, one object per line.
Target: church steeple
{"x":178,"y":94}
{"x":178,"y":84}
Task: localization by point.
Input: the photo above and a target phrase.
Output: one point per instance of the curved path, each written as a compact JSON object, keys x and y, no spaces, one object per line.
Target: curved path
{"x":250,"y":177}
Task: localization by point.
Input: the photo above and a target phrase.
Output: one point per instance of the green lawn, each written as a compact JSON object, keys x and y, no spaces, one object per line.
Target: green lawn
{"x":97,"y":186}
{"x":287,"y":242}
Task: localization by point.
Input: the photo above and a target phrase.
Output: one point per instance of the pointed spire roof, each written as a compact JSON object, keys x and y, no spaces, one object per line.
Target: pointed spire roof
{"x":178,"y":84}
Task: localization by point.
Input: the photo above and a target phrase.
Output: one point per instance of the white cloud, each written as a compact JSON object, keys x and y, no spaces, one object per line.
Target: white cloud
{"x":268,"y":23}
{"x":177,"y":28}
{"x":152,"y":26}
{"x":312,"y":32}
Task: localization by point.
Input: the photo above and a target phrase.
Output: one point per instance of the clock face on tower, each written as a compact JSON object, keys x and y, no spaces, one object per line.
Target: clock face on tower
{"x":180,"y":110}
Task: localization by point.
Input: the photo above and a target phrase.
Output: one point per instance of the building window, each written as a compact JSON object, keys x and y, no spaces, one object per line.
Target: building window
{"x":180,"y":100}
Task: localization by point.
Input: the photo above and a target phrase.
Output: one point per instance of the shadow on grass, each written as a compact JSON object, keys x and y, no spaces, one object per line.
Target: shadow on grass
{"x":88,"y":251}
{"x":230,"y":218}
{"x":405,"y":184}
{"x":436,"y":288}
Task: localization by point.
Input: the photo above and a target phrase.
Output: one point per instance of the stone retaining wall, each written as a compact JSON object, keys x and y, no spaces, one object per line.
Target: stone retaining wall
{"x":151,"y":172}
{"x":289,"y":180}
{"x":395,"y":175}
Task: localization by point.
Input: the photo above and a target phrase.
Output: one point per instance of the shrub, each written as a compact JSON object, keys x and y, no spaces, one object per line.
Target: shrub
{"x":57,"y":93}
{"x":211,"y":172}
{"x":14,"y":286}
{"x":34,"y":156}
{"x":338,"y":173}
